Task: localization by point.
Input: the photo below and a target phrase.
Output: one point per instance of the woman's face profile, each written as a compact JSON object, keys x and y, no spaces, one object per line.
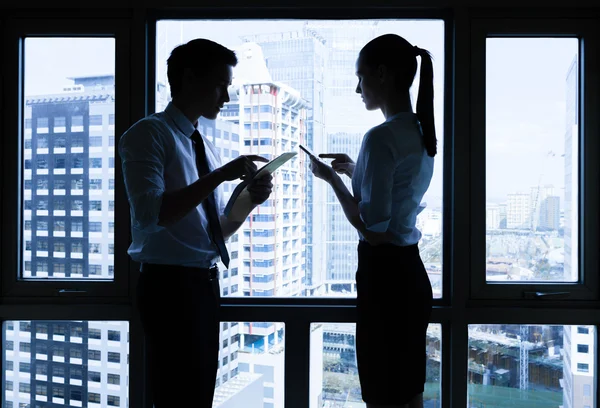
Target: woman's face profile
{"x":369,"y":85}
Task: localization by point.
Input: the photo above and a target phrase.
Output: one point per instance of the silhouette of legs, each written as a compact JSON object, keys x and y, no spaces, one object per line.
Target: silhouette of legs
{"x":393,"y":291}
{"x":179,"y":312}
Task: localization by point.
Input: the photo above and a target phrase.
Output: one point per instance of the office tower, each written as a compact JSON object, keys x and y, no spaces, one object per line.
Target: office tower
{"x":272,"y":119}
{"x":69,"y":181}
{"x":579,"y":387}
{"x":298,"y":59}
{"x":66,"y":363}
{"x":69,"y":152}
{"x":492,"y":218}
{"x":68,"y":226}
{"x":579,"y":352}
{"x":549,"y":216}
{"x":346,"y":122}
{"x":518,"y":213}
{"x":571,"y":229}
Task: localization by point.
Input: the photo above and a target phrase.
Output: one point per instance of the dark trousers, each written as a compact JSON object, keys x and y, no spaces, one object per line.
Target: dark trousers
{"x":393,"y":290}
{"x":179,"y":310}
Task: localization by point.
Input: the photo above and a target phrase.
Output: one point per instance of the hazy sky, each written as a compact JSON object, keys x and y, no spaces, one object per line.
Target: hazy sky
{"x":526,"y":88}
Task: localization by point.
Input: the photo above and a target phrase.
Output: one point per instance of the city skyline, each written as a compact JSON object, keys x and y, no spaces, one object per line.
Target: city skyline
{"x":521,"y":140}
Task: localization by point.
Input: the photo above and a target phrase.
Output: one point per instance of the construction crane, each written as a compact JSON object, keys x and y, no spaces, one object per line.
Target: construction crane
{"x":524,"y":358}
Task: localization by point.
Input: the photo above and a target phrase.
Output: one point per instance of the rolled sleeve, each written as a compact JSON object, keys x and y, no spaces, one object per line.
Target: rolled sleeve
{"x":380,"y":161}
{"x":143,"y":156}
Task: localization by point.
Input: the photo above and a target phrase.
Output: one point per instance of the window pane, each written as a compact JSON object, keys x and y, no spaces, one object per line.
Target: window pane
{"x":61,"y":99}
{"x":251,"y":366}
{"x":532,"y":159}
{"x":58,"y":364}
{"x":333,"y":372}
{"x":302,"y":245}
{"x":530,"y":366}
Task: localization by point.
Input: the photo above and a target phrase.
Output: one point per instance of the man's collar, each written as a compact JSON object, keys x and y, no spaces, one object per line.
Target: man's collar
{"x":183,"y":123}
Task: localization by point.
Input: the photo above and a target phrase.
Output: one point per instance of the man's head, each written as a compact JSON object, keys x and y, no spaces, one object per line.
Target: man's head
{"x":199,"y":74}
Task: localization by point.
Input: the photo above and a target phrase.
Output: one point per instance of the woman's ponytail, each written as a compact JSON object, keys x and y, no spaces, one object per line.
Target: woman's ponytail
{"x":425,"y":101}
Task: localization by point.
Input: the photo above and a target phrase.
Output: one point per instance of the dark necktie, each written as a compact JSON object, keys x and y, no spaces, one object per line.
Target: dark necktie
{"x":209,"y":204}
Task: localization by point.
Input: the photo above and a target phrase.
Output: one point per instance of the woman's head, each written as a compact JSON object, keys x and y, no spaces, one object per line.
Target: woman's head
{"x":386,"y":68}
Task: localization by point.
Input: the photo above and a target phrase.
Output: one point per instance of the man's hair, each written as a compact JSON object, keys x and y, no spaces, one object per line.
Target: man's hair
{"x":201,"y":56}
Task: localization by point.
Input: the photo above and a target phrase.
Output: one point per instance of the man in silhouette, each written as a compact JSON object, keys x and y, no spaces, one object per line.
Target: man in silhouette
{"x":172,"y":175}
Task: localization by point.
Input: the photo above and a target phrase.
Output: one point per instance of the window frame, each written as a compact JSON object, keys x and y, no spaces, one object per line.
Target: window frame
{"x":69,"y":289}
{"x":455,"y":312}
{"x":385,"y":13}
{"x":538,"y":294}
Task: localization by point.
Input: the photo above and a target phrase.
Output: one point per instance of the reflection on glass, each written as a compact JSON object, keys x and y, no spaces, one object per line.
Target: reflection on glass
{"x":333,"y":374}
{"x":295,"y":83}
{"x":251,"y":365}
{"x":68,"y":104}
{"x":531,"y":366}
{"x":65,"y":363}
{"x":532,"y":158}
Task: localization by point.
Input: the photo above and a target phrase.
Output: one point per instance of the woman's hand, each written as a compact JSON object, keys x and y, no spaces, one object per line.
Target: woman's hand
{"x":342,"y":163}
{"x":322,"y":170}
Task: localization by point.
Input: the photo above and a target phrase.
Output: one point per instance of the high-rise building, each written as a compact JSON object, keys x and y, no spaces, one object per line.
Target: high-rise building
{"x":52,"y":364}
{"x":68,"y":232}
{"x":69,"y":153}
{"x":492,"y":218}
{"x":549,"y":217}
{"x":346,"y":122}
{"x":571,"y":229}
{"x":69,"y":181}
{"x":297,"y":59}
{"x":271,"y":117}
{"x":518,"y":212}
{"x":579,"y":351}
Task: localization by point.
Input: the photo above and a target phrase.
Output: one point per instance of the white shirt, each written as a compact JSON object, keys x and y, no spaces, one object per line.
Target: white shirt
{"x":392,"y":173}
{"x":158,"y":156}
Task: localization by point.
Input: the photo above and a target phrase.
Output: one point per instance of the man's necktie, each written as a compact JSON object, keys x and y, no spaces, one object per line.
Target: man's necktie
{"x":209,"y":204}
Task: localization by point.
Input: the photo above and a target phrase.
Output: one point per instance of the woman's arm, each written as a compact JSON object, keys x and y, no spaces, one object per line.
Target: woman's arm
{"x":352,"y":212}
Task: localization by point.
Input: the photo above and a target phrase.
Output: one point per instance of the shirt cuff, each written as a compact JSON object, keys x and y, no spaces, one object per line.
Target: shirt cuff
{"x":381,"y":226}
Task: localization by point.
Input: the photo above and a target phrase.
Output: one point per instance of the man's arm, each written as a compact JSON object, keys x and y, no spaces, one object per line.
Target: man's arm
{"x":230,"y":227}
{"x":260,"y":190}
{"x":179,"y":203}
{"x":143,"y":157}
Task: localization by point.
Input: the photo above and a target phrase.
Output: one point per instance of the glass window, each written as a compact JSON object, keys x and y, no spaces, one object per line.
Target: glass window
{"x":524,"y":364}
{"x":532,"y":159}
{"x":333,"y":353}
{"x":65,"y":126}
{"x":318,"y":63}
{"x":114,"y":357}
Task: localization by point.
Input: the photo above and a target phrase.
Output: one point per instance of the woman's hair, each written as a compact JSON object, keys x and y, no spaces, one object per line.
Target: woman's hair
{"x":399,"y":56}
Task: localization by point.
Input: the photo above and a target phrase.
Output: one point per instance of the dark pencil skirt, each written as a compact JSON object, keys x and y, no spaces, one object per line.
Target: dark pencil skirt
{"x":394,"y":300}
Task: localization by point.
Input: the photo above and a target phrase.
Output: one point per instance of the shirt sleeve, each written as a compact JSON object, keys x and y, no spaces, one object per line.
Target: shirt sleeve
{"x":143,"y":158}
{"x":380,"y":160}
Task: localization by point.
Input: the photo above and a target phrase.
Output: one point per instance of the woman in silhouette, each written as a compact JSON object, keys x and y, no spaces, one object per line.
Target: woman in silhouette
{"x":391,"y":174}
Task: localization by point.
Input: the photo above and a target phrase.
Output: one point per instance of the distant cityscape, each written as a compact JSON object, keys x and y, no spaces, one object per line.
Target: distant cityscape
{"x":289,"y":88}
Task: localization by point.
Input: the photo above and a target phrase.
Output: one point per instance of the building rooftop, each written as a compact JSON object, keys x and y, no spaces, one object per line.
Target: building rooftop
{"x":233,"y":386}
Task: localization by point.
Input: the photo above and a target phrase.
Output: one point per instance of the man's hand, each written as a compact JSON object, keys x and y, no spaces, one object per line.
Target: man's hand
{"x":342,"y":163}
{"x":241,"y":167}
{"x":260,"y":189}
